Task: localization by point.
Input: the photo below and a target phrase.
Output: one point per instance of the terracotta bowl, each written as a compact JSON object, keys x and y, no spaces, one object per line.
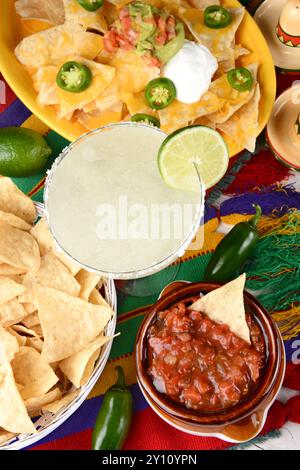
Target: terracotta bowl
{"x":238,"y":423}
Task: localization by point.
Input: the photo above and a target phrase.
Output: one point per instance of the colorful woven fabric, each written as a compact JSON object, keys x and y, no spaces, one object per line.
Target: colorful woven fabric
{"x":275,"y":265}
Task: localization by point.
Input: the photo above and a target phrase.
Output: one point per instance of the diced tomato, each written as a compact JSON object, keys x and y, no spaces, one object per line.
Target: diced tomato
{"x":202,"y":384}
{"x":171,"y":28}
{"x":229,"y":393}
{"x":162,"y":24}
{"x":126,"y":23}
{"x":191,"y":396}
{"x":124,"y":43}
{"x":124,"y":13}
{"x":132,"y":36}
{"x":110,"y":41}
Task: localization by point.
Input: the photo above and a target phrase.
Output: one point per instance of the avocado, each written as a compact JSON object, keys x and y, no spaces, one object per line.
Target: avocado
{"x":166,"y":52}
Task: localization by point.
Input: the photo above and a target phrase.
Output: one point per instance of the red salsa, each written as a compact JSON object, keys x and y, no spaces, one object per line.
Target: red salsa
{"x":200,"y":363}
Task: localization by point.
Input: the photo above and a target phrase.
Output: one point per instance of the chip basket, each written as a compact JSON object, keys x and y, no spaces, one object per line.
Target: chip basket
{"x":48,"y":422}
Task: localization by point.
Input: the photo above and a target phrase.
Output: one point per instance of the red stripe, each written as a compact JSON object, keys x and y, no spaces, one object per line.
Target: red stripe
{"x":37,"y":188}
{"x":149,"y":432}
{"x":9,"y":95}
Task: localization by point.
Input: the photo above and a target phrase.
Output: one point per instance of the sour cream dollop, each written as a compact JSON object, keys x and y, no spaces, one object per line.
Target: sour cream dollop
{"x":191,"y":70}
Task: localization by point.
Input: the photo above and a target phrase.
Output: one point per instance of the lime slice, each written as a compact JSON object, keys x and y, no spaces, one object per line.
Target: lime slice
{"x":190,"y":150}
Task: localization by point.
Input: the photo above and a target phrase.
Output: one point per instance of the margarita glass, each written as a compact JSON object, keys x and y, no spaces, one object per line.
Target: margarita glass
{"x":109,"y":210}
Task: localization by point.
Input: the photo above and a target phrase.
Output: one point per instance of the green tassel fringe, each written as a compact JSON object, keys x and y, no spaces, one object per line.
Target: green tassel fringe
{"x":274,"y":269}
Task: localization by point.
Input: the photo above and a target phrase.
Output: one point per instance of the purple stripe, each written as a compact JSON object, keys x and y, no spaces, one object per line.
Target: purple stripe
{"x":85,"y":417}
{"x":269,"y":200}
{"x":292,"y":349}
{"x":14,"y":115}
{"x":210,"y":213}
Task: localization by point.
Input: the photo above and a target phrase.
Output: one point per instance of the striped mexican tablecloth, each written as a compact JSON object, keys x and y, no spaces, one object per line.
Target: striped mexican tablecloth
{"x":275,"y":265}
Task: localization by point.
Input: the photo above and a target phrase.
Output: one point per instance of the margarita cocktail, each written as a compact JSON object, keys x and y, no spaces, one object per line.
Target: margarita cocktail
{"x":109,"y":209}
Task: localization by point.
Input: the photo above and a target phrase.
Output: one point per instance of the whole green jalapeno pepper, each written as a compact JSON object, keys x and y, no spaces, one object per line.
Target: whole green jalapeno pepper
{"x":114,"y":418}
{"x":233,"y":251}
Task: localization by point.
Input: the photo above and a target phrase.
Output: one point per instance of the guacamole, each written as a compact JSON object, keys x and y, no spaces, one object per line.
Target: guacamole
{"x":149,"y":31}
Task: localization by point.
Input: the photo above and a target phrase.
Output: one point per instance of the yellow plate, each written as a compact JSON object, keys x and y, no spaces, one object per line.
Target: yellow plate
{"x":12,"y":30}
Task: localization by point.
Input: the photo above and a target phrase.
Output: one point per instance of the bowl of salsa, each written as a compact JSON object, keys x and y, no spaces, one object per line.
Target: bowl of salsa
{"x":203,"y":368}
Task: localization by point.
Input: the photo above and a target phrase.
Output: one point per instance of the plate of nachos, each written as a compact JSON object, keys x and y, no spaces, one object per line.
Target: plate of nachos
{"x":82,"y":64}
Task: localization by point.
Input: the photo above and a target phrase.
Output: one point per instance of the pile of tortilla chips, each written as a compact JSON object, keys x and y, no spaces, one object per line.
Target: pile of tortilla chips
{"x":52,"y":318}
{"x":120,"y":78}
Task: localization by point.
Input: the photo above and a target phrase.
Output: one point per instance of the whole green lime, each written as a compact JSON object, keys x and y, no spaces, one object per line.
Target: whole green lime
{"x":23,"y":152}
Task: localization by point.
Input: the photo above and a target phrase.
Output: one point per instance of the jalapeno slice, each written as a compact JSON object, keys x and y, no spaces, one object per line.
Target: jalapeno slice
{"x":217,"y":17}
{"x":74,"y":77}
{"x":160,"y":92}
{"x":240,"y":79}
{"x":90,"y":5}
{"x":146,"y":119}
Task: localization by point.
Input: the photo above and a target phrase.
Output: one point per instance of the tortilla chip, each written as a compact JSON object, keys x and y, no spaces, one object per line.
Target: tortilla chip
{"x":45,"y":241}
{"x":87,"y":282}
{"x":18,"y":248}
{"x":58,"y":405}
{"x":11,"y":312}
{"x":20,"y":339}
{"x":18,"y":278}
{"x":24,"y":331}
{"x":9,"y":342}
{"x":79,"y":367}
{"x":14,"y":221}
{"x":5,"y":437}
{"x":180,"y":114}
{"x":102,"y":77}
{"x":202,"y":4}
{"x":204,"y":121}
{"x":242,"y":127}
{"x":97,"y":299}
{"x":231,"y":99}
{"x":48,"y":10}
{"x":35,"y":343}
{"x":33,"y":373}
{"x":27,"y":297}
{"x":225,"y":305}
{"x":136,"y":103}
{"x":14,"y":201}
{"x":44,"y":81}
{"x":38,"y":330}
{"x":53,"y":46}
{"x":34,"y":405}
{"x":53,"y":273}
{"x":68,"y":323}
{"x":132,"y":73}
{"x":43,"y":236}
{"x":29,"y":307}
{"x":87,"y":19}
{"x":108,"y":98}
{"x":13,"y":414}
{"x":218,"y":41}
{"x":6,"y":270}
{"x":31,"y":320}
{"x":9,"y":289}
{"x":98,"y":118}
